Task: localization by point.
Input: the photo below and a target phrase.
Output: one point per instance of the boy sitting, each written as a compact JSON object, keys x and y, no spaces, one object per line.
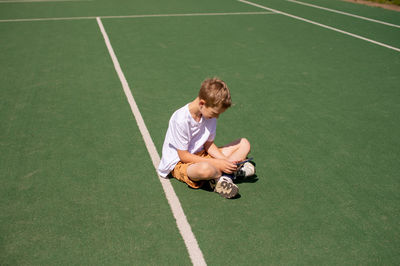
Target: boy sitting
{"x":189,"y":153}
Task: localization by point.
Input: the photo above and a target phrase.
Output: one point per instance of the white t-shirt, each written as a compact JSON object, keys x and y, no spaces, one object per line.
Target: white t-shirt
{"x":184,"y":133}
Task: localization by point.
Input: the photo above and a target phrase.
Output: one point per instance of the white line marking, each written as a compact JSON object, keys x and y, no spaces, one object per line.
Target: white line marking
{"x":39,"y":1}
{"x":184,"y":227}
{"x":138,"y":16}
{"x":344,"y":13}
{"x":190,"y":15}
{"x":321,"y":25}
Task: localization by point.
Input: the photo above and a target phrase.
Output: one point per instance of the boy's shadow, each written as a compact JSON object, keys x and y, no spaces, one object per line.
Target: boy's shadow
{"x":250,"y":179}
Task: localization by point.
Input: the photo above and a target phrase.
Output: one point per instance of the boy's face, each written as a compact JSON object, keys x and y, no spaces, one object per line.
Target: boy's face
{"x":211,"y":112}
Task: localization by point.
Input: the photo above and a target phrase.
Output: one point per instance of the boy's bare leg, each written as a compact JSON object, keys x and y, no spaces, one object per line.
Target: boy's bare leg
{"x":221,"y":185}
{"x":206,"y":171}
{"x":237,"y":150}
{"x":202,"y":171}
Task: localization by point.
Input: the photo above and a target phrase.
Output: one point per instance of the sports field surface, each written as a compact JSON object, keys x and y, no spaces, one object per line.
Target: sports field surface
{"x":88,"y":87}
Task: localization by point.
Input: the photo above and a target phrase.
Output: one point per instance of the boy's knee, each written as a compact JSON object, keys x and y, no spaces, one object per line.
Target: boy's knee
{"x":245,"y":143}
{"x":205,"y":170}
{"x":208,"y":171}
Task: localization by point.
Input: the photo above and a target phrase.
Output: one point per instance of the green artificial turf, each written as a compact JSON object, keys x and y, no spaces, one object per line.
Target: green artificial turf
{"x":77,"y":185}
{"x":320,"y":108}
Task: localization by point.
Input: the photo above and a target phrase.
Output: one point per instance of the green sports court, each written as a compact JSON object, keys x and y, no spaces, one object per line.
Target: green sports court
{"x":88,"y":87}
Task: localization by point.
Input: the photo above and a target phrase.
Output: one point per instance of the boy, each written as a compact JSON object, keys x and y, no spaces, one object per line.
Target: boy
{"x":189,"y":153}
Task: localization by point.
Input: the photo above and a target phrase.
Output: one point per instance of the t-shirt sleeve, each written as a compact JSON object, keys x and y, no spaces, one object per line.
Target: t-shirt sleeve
{"x":179,"y":136}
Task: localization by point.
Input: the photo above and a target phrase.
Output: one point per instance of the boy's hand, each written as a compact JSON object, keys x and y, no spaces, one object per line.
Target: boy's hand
{"x":225,"y":166}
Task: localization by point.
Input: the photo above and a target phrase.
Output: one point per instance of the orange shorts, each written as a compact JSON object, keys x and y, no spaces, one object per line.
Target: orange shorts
{"x":180,"y":172}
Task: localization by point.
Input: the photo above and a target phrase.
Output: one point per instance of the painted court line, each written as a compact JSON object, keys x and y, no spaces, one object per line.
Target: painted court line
{"x":184,"y":227}
{"x":344,"y":13}
{"x":138,"y":16}
{"x":322,"y":25}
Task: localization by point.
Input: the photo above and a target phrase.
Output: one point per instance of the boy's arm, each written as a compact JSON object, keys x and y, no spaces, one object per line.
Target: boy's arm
{"x":222,"y":164}
{"x":187,"y":157}
{"x":213,"y":150}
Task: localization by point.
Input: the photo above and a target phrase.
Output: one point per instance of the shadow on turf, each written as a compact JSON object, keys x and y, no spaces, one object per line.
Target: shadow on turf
{"x":206,"y":187}
{"x":251,"y":179}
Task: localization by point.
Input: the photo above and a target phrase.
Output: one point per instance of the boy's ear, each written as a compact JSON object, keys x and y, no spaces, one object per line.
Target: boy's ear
{"x":202,"y":102}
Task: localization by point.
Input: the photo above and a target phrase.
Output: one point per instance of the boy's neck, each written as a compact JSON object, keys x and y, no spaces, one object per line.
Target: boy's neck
{"x":194,"y":109}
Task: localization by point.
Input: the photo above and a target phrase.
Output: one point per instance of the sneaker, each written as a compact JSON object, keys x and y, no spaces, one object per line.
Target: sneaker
{"x":246,"y":170}
{"x":226,"y":188}
{"x":212,"y":183}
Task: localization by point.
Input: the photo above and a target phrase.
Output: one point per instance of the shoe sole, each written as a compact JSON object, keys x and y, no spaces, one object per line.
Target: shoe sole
{"x":226,"y":189}
{"x":241,"y":174}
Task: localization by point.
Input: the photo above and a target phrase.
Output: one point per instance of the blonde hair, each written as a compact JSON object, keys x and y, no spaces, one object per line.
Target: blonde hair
{"x":215,"y":92}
